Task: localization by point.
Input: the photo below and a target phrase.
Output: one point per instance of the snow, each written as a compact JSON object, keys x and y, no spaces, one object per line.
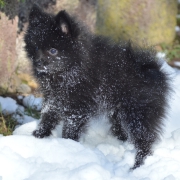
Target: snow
{"x":161,"y":55}
{"x":31,"y":101}
{"x":98,"y":155}
{"x":177,"y":28}
{"x":8,"y":105}
{"x":177,"y":63}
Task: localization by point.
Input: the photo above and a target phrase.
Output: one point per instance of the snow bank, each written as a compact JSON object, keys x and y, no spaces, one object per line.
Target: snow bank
{"x":98,"y":156}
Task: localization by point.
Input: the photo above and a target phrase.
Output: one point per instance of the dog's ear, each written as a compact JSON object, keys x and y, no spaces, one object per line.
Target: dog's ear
{"x":35,"y":15}
{"x":66,"y":24}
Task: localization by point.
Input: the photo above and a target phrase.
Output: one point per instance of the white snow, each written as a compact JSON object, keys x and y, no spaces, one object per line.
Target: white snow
{"x":177,"y":63}
{"x":8,"y":105}
{"x":161,"y":55}
{"x":177,"y":28}
{"x":98,"y":155}
{"x":31,"y":101}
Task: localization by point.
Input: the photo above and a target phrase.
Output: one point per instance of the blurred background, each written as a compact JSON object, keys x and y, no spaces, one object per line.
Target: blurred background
{"x":145,"y":22}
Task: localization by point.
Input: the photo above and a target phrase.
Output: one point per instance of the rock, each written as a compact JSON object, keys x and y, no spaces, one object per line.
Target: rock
{"x":24,"y":89}
{"x":142,"y":21}
{"x":29,"y":80}
{"x":8,"y":33}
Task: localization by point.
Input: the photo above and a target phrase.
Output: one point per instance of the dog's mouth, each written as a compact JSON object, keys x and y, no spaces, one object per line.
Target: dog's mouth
{"x":42,"y":69}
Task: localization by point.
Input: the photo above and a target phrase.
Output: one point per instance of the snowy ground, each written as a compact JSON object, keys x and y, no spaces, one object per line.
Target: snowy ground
{"x":98,"y":155}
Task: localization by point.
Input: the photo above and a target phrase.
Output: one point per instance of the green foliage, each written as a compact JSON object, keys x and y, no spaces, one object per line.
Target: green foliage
{"x":178,"y":20}
{"x":173,"y":51}
{"x":33,"y":113}
{"x":7,"y":124}
{"x":3,"y":90}
{"x":2,"y":3}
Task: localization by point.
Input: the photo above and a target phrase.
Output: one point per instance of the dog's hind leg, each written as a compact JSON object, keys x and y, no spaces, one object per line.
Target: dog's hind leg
{"x":117,"y":128}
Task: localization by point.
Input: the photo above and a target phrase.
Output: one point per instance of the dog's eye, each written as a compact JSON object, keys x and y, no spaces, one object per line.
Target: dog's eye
{"x":53,"y":51}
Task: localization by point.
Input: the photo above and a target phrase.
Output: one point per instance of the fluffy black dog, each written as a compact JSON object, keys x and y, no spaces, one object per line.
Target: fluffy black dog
{"x":82,"y":75}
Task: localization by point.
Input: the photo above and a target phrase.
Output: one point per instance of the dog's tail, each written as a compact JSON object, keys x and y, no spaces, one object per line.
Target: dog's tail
{"x":146,"y":64}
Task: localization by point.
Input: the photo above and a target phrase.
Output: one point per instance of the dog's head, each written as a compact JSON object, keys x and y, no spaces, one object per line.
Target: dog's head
{"x":53,"y":43}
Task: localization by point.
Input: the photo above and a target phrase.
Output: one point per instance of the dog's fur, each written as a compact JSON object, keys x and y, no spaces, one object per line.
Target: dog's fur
{"x":82,"y":75}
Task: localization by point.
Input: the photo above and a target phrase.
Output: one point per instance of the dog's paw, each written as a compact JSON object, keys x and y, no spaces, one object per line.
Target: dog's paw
{"x":40,"y":133}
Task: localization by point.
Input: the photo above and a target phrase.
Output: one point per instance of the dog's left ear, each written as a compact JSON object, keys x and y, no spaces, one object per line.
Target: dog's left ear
{"x":66,"y":24}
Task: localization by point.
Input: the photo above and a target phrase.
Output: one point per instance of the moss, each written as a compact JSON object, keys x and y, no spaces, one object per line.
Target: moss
{"x":3,"y":90}
{"x":7,"y":124}
{"x":2,"y":3}
{"x":178,"y":20}
{"x":140,"y":20}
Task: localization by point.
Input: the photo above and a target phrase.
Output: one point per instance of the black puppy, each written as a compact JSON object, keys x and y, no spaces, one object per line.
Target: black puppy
{"x":82,"y":75}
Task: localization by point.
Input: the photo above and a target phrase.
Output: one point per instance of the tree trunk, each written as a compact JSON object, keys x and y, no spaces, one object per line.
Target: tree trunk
{"x":143,"y":21}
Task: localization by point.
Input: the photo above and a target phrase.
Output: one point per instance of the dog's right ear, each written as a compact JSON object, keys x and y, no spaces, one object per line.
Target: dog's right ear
{"x":35,"y":16}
